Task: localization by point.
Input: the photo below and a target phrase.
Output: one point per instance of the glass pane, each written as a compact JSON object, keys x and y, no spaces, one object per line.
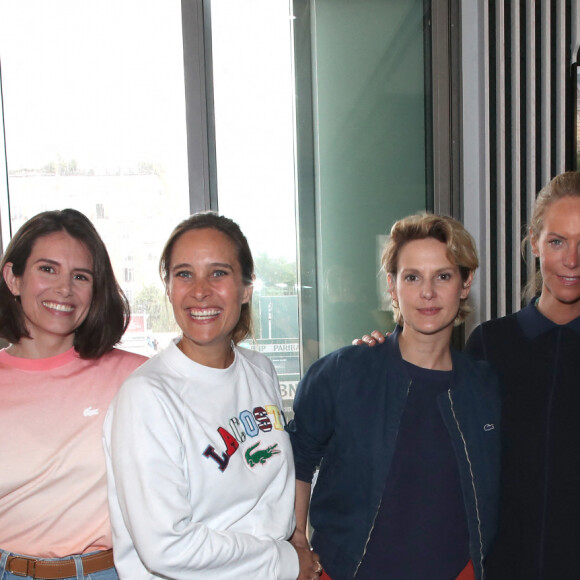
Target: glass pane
{"x":95,"y":120}
{"x":253,"y":95}
{"x":370,"y":143}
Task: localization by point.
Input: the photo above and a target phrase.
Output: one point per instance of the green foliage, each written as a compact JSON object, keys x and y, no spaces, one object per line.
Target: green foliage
{"x":278,"y":275}
{"x":151,"y":300}
{"x":62,"y":167}
{"x":150,"y":168}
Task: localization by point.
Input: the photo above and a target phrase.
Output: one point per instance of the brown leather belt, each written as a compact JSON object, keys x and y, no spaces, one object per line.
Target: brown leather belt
{"x":57,"y":569}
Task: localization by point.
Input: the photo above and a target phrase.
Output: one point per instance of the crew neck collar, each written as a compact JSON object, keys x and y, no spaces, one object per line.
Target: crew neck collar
{"x":38,"y":364}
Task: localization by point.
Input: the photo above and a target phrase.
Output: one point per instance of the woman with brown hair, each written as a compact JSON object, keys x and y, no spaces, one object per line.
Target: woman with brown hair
{"x":201,"y":479}
{"x":63,"y":312}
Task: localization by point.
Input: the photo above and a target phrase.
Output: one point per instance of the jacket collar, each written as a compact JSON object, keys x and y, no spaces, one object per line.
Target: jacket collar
{"x":461,"y":365}
{"x":533,"y":323}
{"x":393,"y":350}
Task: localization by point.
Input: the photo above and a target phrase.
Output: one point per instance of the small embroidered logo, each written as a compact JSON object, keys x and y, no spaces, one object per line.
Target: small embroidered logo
{"x":89,"y":412}
{"x":489,"y":427}
{"x":261,"y":455}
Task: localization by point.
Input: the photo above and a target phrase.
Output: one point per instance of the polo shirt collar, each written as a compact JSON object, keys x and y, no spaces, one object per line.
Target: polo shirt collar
{"x":533,"y":323}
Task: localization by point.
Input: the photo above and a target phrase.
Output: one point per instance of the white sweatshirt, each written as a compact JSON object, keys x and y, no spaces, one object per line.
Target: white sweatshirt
{"x":201,"y":476}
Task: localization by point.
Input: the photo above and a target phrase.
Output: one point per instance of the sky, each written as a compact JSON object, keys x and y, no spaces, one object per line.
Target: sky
{"x":101,"y":82}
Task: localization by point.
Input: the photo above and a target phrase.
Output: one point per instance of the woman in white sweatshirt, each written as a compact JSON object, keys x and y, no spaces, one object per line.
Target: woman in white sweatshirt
{"x":201,"y":477}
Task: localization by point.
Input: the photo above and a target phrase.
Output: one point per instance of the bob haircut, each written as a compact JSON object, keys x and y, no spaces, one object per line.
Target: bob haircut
{"x":460,"y":249}
{"x":564,"y":185}
{"x":108,"y":315}
{"x":214,"y":221}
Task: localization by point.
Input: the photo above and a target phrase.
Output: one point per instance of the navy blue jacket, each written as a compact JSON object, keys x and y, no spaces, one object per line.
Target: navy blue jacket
{"x":348,"y":409}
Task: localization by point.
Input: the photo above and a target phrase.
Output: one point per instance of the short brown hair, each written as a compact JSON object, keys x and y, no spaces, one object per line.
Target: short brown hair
{"x":460,"y":248}
{"x":109,"y":312}
{"x":212,"y":220}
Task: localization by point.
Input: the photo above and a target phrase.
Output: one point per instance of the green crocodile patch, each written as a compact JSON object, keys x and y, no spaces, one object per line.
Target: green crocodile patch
{"x":261,"y":455}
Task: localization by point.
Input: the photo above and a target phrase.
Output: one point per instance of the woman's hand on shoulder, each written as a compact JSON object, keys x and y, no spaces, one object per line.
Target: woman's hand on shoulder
{"x":372,"y":339}
{"x":309,"y":562}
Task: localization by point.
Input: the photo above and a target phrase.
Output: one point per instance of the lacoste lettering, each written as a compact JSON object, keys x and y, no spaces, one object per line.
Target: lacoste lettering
{"x":247,"y":424}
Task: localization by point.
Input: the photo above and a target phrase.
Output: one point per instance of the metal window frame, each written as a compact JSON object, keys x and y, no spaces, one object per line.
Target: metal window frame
{"x":305,"y":185}
{"x":443,"y":82}
{"x":475,"y":148}
{"x":199,"y":104}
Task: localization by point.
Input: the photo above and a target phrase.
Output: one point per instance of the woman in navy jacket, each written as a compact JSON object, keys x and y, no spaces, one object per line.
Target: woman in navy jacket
{"x":407,"y":434}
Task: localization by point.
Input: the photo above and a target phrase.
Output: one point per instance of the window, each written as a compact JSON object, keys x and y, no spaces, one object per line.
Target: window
{"x":128,"y":274}
{"x":320,"y":144}
{"x":253,"y":85}
{"x":94,"y":113}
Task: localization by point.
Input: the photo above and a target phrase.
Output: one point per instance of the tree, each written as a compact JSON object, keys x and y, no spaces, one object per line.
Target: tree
{"x":278,"y":275}
{"x":151,"y":300}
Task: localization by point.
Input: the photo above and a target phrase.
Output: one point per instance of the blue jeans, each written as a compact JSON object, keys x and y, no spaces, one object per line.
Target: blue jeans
{"x":110,"y":574}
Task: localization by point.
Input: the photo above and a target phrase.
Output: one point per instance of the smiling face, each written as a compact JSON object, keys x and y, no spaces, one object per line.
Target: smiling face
{"x":558,"y":247}
{"x":206,"y":289}
{"x":55,"y":291}
{"x":428,"y":288}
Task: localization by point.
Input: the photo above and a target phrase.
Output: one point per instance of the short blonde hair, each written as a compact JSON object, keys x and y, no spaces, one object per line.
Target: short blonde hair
{"x":460,"y":249}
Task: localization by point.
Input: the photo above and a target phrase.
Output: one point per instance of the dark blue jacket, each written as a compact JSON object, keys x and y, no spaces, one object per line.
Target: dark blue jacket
{"x":348,"y":409}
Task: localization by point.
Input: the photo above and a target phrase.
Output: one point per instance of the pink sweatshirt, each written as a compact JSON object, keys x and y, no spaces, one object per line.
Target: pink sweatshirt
{"x":53,"y":494}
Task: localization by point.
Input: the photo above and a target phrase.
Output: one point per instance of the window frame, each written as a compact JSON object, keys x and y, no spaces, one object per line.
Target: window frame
{"x":199,"y":107}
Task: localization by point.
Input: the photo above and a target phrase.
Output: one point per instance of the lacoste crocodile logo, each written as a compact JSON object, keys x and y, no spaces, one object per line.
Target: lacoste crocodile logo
{"x":261,"y":455}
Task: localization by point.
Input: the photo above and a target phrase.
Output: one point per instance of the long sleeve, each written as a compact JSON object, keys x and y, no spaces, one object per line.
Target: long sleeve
{"x":171,"y":509}
{"x":475,"y":344}
{"x":313,"y":423}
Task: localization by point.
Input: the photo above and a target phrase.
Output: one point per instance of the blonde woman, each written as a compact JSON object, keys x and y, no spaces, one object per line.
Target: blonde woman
{"x":406,"y":434}
{"x":537,"y":354}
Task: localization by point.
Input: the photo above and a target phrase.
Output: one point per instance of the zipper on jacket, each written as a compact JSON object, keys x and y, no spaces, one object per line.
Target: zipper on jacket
{"x":380,"y":502}
{"x":472,"y":484}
